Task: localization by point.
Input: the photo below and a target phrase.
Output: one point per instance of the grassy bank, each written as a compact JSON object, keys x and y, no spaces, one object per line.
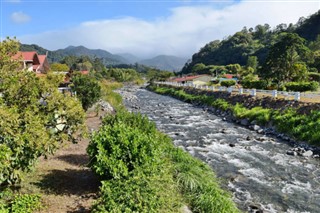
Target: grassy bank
{"x":302,"y":127}
{"x":142,"y":171}
{"x":108,"y":94}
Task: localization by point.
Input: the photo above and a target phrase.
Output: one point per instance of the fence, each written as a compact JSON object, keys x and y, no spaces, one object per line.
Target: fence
{"x":253,"y":92}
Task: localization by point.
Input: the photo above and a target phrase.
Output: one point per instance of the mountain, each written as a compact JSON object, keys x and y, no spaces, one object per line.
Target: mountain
{"x":165,"y":62}
{"x":57,"y":55}
{"x":129,"y":57}
{"x":99,"y":53}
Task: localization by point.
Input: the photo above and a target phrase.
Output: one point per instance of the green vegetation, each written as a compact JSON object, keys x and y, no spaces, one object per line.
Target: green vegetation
{"x":299,"y":126}
{"x":109,"y":95}
{"x":257,"y":84}
{"x":22,"y":203}
{"x":58,"y":67}
{"x":35,"y":120}
{"x":124,"y":75}
{"x":287,"y":53}
{"x":286,"y":60}
{"x":87,"y":88}
{"x":142,"y":171}
{"x":302,"y":86}
{"x":228,"y":83}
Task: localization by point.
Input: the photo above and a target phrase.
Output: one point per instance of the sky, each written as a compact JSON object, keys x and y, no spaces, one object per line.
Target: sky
{"x":145,"y":28}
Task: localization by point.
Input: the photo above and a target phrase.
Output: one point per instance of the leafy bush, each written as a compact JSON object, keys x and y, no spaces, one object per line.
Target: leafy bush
{"x":144,"y":172}
{"x":35,"y":117}
{"x":117,"y":150}
{"x":24,"y":203}
{"x":129,"y":155}
{"x":228,"y":83}
{"x":88,"y":90}
{"x":260,"y":84}
{"x":139,"y":193}
{"x":314,"y":76}
{"x":302,"y":86}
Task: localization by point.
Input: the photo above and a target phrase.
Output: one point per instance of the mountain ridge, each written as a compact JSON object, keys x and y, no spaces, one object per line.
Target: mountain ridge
{"x":162,"y":62}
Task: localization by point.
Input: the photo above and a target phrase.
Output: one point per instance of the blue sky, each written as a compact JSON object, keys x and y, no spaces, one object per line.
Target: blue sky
{"x":142,"y":27}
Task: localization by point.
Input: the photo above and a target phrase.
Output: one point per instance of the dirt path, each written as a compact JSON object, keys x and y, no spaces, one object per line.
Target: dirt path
{"x":64,"y":181}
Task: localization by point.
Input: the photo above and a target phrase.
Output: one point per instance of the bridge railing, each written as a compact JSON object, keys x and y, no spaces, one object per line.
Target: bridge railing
{"x":253,"y":92}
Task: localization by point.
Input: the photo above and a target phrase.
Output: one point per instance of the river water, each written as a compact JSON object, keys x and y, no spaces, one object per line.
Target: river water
{"x":253,"y":167}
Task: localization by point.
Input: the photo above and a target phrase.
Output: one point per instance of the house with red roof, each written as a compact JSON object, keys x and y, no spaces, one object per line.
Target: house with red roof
{"x":196,"y":79}
{"x":84,"y":72}
{"x":31,"y":61}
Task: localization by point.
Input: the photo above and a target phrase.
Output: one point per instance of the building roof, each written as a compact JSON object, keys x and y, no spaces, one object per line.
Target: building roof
{"x":26,"y":56}
{"x":42,"y":58}
{"x":189,"y":78}
{"x":84,"y":72}
{"x":229,"y":76}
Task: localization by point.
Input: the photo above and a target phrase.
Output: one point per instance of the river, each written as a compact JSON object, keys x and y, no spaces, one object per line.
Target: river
{"x":253,"y":167}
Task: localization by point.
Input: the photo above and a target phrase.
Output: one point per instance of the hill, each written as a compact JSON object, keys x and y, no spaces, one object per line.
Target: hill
{"x":165,"y":62}
{"x":57,"y":55}
{"x":257,"y":41}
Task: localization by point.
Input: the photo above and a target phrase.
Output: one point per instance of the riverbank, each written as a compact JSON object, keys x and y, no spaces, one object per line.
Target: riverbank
{"x":254,"y":167}
{"x":152,"y":175}
{"x":295,"y":122}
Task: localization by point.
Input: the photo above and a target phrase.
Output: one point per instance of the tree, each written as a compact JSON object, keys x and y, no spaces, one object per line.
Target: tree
{"x":234,"y":68}
{"x":59,"y":67}
{"x":252,"y":62}
{"x":281,"y":62}
{"x":35,"y":117}
{"x":198,"y":67}
{"x":88,"y":90}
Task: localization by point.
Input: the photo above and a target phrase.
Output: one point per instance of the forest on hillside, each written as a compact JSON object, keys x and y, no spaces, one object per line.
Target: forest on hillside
{"x":286,"y":53}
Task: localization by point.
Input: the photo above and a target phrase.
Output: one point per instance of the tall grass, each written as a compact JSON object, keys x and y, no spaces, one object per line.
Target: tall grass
{"x":199,"y":185}
{"x":108,"y":94}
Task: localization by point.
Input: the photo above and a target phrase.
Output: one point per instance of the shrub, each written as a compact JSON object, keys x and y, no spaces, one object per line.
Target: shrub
{"x":228,"y":83}
{"x":26,"y":203}
{"x":302,"y":86}
{"x":139,"y":193}
{"x":23,"y":203}
{"x":125,"y":142}
{"x":35,"y":119}
{"x":117,"y":150}
{"x":129,"y":155}
{"x":144,"y":172}
{"x":88,"y":90}
{"x":260,"y":84}
{"x":314,"y":76}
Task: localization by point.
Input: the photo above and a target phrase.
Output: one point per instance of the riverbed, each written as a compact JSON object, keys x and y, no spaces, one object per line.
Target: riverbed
{"x":254,"y":167}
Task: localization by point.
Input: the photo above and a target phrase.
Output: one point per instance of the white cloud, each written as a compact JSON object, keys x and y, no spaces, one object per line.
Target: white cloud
{"x":182,"y":33}
{"x":20,"y":17}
